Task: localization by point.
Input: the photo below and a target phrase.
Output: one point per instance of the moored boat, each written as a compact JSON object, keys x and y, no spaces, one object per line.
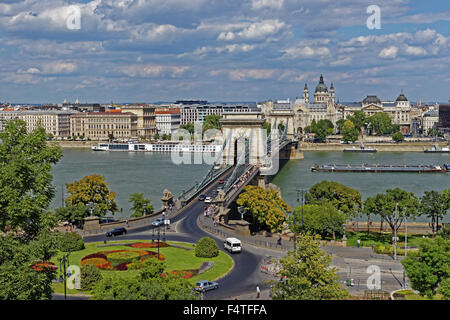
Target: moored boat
{"x":362,"y":148}
{"x":437,"y":149}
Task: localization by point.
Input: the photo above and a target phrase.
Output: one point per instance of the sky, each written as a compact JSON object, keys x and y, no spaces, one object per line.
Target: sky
{"x":222,"y":50}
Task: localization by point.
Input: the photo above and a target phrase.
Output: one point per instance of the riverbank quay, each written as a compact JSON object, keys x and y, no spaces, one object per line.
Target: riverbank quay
{"x":304,"y":146}
{"x":380,"y":147}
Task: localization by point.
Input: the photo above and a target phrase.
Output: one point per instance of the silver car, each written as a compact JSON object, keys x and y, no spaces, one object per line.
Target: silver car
{"x":206,"y":285}
{"x":158,"y":222}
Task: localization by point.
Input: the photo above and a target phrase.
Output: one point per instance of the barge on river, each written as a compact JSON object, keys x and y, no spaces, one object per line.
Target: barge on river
{"x":382,"y":168}
{"x":158,"y":147}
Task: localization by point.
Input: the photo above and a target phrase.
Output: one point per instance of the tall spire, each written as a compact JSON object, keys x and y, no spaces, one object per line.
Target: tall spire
{"x":321,"y":79}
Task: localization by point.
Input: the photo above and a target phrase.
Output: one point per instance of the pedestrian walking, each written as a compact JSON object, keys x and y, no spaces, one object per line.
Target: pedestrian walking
{"x":358,"y":242}
{"x":126,"y":223}
{"x":279,"y":241}
{"x":258,"y":292}
{"x":270,"y":291}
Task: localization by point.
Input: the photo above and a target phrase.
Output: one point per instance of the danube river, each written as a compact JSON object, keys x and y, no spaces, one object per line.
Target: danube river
{"x":151,"y":173}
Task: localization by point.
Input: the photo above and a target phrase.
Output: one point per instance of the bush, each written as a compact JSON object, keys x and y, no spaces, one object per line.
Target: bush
{"x":90,"y":275}
{"x":206,"y":248}
{"x":71,"y":241}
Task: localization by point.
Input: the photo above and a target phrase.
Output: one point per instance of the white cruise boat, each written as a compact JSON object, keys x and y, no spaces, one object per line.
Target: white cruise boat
{"x":158,"y":147}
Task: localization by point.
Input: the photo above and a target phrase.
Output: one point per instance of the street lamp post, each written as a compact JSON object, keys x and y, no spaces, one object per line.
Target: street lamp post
{"x":64,"y":261}
{"x":241,"y":210}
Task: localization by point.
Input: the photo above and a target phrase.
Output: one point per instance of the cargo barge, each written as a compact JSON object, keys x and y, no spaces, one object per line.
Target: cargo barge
{"x":382,"y":168}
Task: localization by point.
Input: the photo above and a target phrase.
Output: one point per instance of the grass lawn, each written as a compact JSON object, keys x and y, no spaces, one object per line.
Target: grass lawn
{"x":410,"y":295}
{"x":367,"y":239}
{"x":175,"y":258}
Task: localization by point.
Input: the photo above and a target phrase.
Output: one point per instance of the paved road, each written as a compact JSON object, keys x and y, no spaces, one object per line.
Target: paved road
{"x":245,"y":274}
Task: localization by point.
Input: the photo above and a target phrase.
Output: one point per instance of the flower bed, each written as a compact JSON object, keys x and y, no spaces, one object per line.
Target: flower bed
{"x":186,"y":274}
{"x":118,"y":260}
{"x":140,"y":245}
{"x":42,"y":266}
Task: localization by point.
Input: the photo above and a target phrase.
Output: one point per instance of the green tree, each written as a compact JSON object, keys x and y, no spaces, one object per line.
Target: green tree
{"x":359,"y":119}
{"x":211,"y":122}
{"x":188,"y":126}
{"x":434,"y":206}
{"x":141,"y":206}
{"x":322,"y":129}
{"x":18,"y":279}
{"x":345,"y":199}
{"x":307,"y":274}
{"x":265,"y":206}
{"x":430,"y":268}
{"x":206,"y":247}
{"x":90,"y":275}
{"x":339,"y":125}
{"x":92,"y":189}
{"x":147,"y":285}
{"x":398,"y":137}
{"x":71,"y":241}
{"x":26,"y":189}
{"x":349,"y":131}
{"x":156,"y":136}
{"x":69,"y":213}
{"x":393,"y":206}
{"x":381,"y":124}
{"x":322,"y":219}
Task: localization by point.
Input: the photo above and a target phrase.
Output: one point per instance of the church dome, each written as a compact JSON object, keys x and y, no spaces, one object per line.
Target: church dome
{"x":402,"y":97}
{"x":321,"y":87}
{"x":371,"y":100}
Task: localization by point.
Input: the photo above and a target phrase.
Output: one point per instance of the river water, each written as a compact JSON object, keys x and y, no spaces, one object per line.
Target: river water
{"x":151,"y":173}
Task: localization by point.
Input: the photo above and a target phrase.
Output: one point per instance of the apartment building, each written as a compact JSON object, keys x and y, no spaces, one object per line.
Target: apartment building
{"x":54,"y":122}
{"x":167,"y":120}
{"x":146,"y":118}
{"x":104,"y":125}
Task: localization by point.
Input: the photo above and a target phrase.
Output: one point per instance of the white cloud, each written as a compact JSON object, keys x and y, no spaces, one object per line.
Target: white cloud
{"x":306,"y":52}
{"x":415,"y":51}
{"x":58,"y":67}
{"x":270,"y":4}
{"x":255,"y":31}
{"x":389,"y":53}
{"x":153,"y":71}
{"x":342,"y":61}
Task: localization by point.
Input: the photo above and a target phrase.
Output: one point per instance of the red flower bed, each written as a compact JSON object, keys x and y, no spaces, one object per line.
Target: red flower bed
{"x":148,"y":245}
{"x":186,"y":274}
{"x":109,"y":260}
{"x":41,"y":266}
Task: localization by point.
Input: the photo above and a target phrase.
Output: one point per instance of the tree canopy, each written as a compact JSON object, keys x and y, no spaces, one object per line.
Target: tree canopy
{"x":306,"y":274}
{"x":349,"y":131}
{"x":435,"y":206}
{"x":26,"y":189}
{"x":322,"y":219}
{"x":140,"y":206}
{"x":345,"y":199}
{"x":211,"y":122}
{"x":92,"y":189}
{"x":265,"y":206}
{"x":385,"y":205}
{"x":429,"y":272}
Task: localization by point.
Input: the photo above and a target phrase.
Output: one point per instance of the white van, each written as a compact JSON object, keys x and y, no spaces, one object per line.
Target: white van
{"x":232,"y":245}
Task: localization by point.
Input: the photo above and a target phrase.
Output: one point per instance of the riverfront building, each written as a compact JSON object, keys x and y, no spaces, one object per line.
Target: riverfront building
{"x":167,"y":120}
{"x":146,"y":118}
{"x":197,"y":112}
{"x":56,"y":123}
{"x":444,"y":117}
{"x":104,"y":125}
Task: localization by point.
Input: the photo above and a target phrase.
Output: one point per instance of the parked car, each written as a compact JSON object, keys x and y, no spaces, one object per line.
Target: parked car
{"x":205,"y":285}
{"x":116,"y":232}
{"x":208,"y":200}
{"x":202,"y":197}
{"x":232,"y":245}
{"x":158,"y":222}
